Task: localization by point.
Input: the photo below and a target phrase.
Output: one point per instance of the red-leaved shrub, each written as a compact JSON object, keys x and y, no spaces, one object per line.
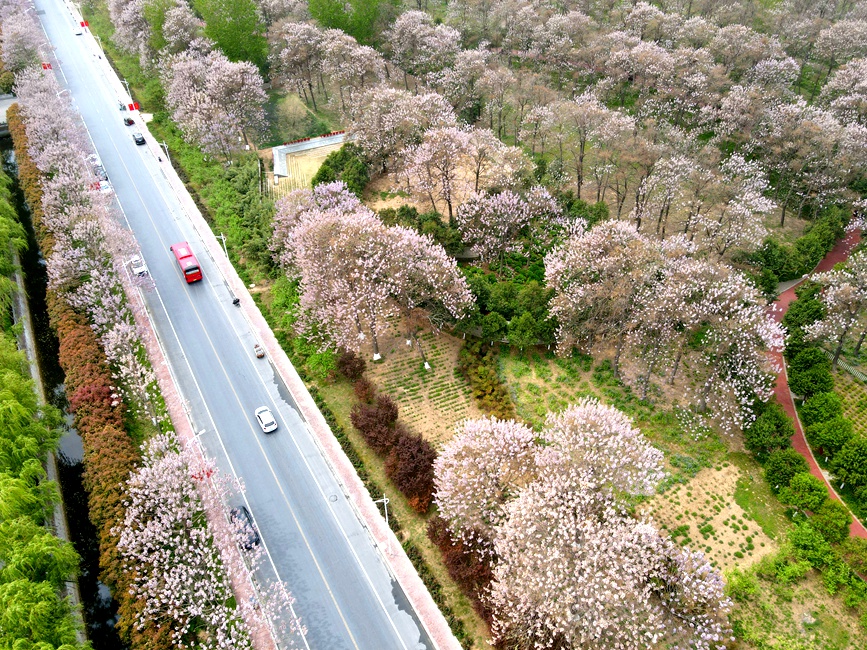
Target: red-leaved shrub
{"x":466,"y":567}
{"x":410,"y":467}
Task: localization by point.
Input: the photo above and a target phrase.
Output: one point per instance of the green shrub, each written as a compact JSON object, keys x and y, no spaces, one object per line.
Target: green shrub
{"x":832,"y":521}
{"x":831,"y":435}
{"x":523,"y":331}
{"x":579,"y":209}
{"x":502,"y":299}
{"x":429,"y":223}
{"x":850,"y":464}
{"x":810,"y":373}
{"x":741,"y":585}
{"x":781,"y":260}
{"x":807,"y":309}
{"x":321,"y":366}
{"x":811,"y":545}
{"x":494,"y":326}
{"x":771,"y":431}
{"x":836,"y":575}
{"x":480,"y":284}
{"x":854,"y":551}
{"x":7,"y":80}
{"x":821,"y":407}
{"x":791,"y":572}
{"x":347,"y":165}
{"x":790,"y":261}
{"x":782,"y":466}
{"x":805,"y":492}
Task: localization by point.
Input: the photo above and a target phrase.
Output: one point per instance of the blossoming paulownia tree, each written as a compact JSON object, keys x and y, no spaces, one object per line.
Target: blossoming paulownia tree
{"x":571,"y":568}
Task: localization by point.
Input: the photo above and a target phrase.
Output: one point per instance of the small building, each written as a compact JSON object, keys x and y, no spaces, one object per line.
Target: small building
{"x":296,"y":163}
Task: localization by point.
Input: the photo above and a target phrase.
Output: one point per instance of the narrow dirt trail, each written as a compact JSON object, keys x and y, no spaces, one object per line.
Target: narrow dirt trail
{"x":839,"y":253}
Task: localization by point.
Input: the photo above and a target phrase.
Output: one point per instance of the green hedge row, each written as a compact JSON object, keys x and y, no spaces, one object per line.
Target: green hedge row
{"x":783,"y":261}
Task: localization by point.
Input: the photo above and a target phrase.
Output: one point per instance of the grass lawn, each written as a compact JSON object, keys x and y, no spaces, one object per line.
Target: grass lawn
{"x":798,"y":616}
{"x":754,"y":495}
{"x":290,"y":119}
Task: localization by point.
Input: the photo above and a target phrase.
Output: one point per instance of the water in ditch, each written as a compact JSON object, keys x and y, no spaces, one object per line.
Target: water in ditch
{"x":98,"y":606}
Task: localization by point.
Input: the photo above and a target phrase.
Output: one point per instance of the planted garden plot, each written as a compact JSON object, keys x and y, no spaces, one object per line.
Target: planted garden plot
{"x":854,"y":396}
{"x":431,"y":401}
{"x":703,"y":515}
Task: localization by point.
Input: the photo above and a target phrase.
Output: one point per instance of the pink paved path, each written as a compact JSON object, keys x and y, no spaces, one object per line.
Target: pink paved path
{"x":782,"y":393}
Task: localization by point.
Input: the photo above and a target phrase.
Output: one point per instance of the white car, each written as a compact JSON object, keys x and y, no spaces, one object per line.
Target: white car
{"x":266,"y":419}
{"x":137,"y":266}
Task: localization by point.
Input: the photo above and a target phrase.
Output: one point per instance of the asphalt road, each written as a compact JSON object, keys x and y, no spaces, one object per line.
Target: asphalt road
{"x":345,"y":594}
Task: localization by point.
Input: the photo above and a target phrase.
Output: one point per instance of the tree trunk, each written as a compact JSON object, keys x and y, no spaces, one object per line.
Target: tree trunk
{"x":432,"y":200}
{"x":785,"y":207}
{"x":860,"y":341}
{"x":579,"y":168}
{"x":702,"y":402}
{"x":421,"y":351}
{"x":312,"y":96}
{"x":376,"y":355}
{"x":645,"y":380}
{"x":675,"y":366}
{"x":839,"y":349}
{"x":615,"y":366}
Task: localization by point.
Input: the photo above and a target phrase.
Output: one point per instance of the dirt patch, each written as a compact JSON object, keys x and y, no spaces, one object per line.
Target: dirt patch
{"x":702,"y":515}
{"x":380,"y":194}
{"x":431,"y":401}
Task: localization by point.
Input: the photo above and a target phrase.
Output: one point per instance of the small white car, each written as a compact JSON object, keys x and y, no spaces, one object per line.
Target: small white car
{"x":137,"y":266}
{"x":266,"y":419}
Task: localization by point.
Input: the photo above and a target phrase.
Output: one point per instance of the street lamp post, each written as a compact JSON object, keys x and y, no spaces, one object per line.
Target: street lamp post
{"x":126,"y":83}
{"x":384,"y":502}
{"x":166,"y":149}
{"x":222,"y":238}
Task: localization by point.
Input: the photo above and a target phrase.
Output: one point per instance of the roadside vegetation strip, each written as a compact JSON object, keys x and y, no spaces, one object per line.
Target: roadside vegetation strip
{"x":810,"y":376}
{"x":107,"y":392}
{"x":35,"y":565}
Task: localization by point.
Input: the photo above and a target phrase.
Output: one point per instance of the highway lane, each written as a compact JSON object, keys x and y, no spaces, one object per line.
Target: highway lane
{"x":346,"y":596}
